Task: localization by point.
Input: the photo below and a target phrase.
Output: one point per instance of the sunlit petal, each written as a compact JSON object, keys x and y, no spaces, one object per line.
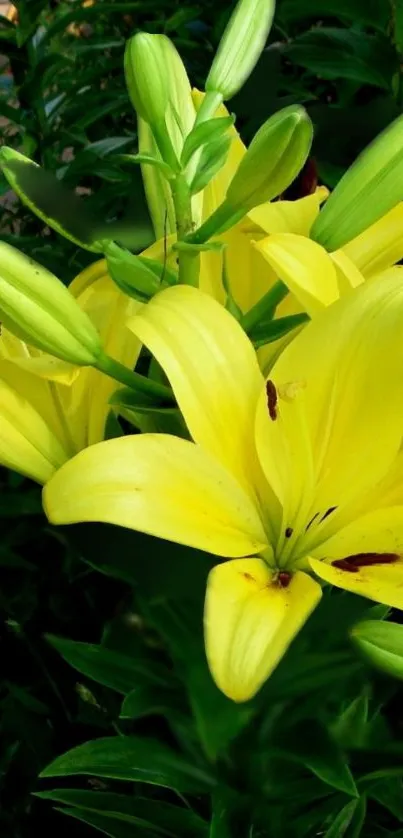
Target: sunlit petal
{"x":304,"y":266}
{"x":27,"y":443}
{"x":161,"y":485}
{"x":379,"y":246}
{"x":338,"y":388}
{"x":289,"y":216}
{"x":109,"y":309}
{"x":212,"y":367}
{"x":250,"y":620}
{"x":380,"y":582}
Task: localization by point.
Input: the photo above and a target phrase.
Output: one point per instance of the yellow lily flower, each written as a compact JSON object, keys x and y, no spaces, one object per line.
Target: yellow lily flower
{"x":50,"y":410}
{"x":298,"y":474}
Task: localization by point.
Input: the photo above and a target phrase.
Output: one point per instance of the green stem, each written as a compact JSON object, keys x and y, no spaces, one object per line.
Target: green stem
{"x":189,"y":263}
{"x":265,"y":307}
{"x":131,"y":379}
{"x":212,"y":100}
{"x":222,"y":219}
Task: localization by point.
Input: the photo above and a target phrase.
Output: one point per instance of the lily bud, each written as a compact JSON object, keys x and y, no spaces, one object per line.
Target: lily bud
{"x":136,"y":276}
{"x":240,"y":46}
{"x":274,"y":158}
{"x":370,"y":188}
{"x":36,"y":307}
{"x":146,"y":76}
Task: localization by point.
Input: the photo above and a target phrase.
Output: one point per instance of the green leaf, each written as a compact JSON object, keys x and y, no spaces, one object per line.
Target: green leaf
{"x":311,"y":745}
{"x":119,"y":672}
{"x":367,"y":12}
{"x":348,"y":822}
{"x":397,"y":22}
{"x":49,"y":199}
{"x":264,"y":333}
{"x":351,"y":725}
{"x":382,"y":645}
{"x":144,"y":701}
{"x":212,"y":159}
{"x":116,"y":826}
{"x":203,"y":134}
{"x":341,"y":53}
{"x":132,"y":758}
{"x":167,"y":819}
{"x":149,"y":160}
{"x":389,"y":793}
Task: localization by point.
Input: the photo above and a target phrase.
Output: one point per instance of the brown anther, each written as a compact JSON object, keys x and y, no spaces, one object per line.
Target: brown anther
{"x":289,"y":531}
{"x":271,"y":393}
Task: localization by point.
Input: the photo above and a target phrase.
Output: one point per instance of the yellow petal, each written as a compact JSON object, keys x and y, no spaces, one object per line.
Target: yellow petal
{"x":212,"y":367}
{"x":27,"y":443}
{"x":250,"y":620}
{"x":380,"y":246}
{"x":348,"y":275}
{"x":161,"y":485}
{"x":304,"y":266}
{"x":375,"y":531}
{"x":382,"y":583}
{"x":109,"y":310}
{"x":338,"y":420}
{"x":289,"y":216}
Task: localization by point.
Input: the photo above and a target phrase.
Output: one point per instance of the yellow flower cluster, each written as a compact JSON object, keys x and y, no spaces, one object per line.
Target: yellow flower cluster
{"x":293,"y":472}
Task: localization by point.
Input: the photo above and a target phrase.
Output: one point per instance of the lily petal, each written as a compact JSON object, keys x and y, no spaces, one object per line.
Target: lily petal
{"x":160,"y":485}
{"x":250,"y":620}
{"x":304,"y":266}
{"x":380,"y":246}
{"x":382,"y":583}
{"x":338,"y":387}
{"x":27,"y":443}
{"x":290,"y":216}
{"x":109,"y":309}
{"x":348,"y":275}
{"x":212,"y":367}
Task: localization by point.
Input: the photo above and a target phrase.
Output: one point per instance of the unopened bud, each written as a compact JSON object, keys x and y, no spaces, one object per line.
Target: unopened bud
{"x":274,"y":158}
{"x":36,"y":307}
{"x":136,"y":276}
{"x":240,"y":46}
{"x":146,"y":76}
{"x":370,"y":188}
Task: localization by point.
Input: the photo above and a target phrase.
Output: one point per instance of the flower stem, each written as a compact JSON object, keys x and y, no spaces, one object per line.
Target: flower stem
{"x":189,"y":263}
{"x":212,"y":100}
{"x":131,"y":379}
{"x":265,"y":307}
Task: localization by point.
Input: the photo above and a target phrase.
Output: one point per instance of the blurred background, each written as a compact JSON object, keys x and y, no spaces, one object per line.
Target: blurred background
{"x":63,"y":102}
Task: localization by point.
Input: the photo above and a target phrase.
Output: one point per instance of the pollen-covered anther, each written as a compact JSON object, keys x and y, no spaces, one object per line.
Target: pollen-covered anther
{"x":353,"y":563}
{"x":290,"y":390}
{"x":271,"y":394}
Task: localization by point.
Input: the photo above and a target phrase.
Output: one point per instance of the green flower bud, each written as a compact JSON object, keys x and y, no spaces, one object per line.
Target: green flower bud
{"x":137,"y":276}
{"x":382,"y":644}
{"x":240,"y":46}
{"x":274,"y":158}
{"x":146,"y":77}
{"x":370,"y":188}
{"x":36,"y":307}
